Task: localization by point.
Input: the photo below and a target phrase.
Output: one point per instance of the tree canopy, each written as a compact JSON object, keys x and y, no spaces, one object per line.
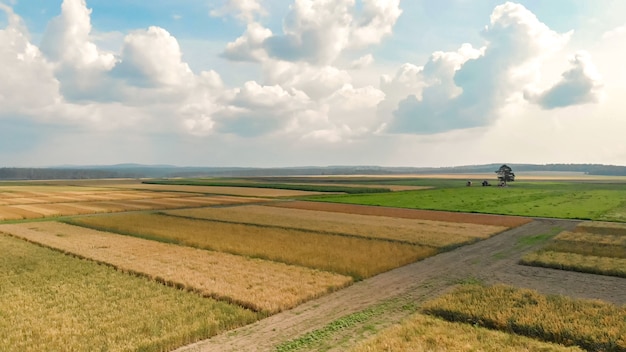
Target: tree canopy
{"x":505,"y":174}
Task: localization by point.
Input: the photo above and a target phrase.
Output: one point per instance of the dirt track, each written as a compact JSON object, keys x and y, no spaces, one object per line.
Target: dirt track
{"x":492,"y":261}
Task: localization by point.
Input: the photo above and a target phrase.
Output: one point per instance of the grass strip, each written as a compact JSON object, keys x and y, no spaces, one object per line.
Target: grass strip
{"x":592,"y":325}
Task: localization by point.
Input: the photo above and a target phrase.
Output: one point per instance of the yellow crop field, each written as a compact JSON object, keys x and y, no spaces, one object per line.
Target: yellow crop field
{"x":254,"y":283}
{"x":53,"y":302}
{"x":426,"y":232}
{"x":576,"y":262}
{"x":426,"y":333}
{"x":592,"y":325}
{"x":601,"y":251}
{"x":349,"y":255}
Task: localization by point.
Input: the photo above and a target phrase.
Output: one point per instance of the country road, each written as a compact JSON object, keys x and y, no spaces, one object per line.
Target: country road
{"x":491,"y":261}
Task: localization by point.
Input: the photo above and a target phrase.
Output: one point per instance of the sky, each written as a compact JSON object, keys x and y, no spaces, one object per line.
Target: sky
{"x":275,"y":83}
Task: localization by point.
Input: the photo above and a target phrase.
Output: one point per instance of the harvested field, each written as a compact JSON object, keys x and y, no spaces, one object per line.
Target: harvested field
{"x":426,"y":232}
{"x":426,"y":333}
{"x":235,"y":191}
{"x":54,"y":302}
{"x":592,"y":325}
{"x":480,"y":219}
{"x":357,"y":257}
{"x":254,"y":283}
{"x":589,"y":244}
{"x":602,"y":228}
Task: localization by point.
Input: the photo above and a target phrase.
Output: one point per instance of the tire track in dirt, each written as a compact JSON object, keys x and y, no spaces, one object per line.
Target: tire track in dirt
{"x":493,"y":261}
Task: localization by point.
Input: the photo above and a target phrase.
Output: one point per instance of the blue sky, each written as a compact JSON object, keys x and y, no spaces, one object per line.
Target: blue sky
{"x":312,"y":82}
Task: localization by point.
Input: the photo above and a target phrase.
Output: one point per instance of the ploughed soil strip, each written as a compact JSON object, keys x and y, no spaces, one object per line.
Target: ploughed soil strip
{"x":490,"y":261}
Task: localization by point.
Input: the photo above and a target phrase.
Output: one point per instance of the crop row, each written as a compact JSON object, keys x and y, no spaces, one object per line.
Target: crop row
{"x":257,"y":284}
{"x":592,"y":325}
{"x":357,"y":257}
{"x":438,"y":234}
{"x":55,"y":302}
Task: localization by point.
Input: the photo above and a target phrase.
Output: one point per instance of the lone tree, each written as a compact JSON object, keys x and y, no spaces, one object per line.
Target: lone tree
{"x":505,"y":174}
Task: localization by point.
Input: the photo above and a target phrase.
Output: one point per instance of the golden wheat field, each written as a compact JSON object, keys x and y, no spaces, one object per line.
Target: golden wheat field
{"x":592,"y":325}
{"x":480,"y":219}
{"x":254,"y":283}
{"x":53,"y":302}
{"x":30,"y":202}
{"x":348,"y":255}
{"x":426,"y":333}
{"x":426,"y":232}
{"x":601,"y":251}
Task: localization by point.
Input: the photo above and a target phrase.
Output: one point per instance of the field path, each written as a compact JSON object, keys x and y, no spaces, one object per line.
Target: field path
{"x":492,"y":261}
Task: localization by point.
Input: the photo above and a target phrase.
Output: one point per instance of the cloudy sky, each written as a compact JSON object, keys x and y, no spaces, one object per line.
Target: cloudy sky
{"x":312,"y":82}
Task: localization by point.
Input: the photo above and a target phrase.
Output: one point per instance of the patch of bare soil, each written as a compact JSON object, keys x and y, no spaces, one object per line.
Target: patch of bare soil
{"x":492,"y":261}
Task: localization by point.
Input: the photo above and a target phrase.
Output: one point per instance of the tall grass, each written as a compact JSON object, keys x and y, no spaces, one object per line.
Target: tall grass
{"x":589,"y":244}
{"x":592,"y":325}
{"x":53,"y":302}
{"x":357,"y":257}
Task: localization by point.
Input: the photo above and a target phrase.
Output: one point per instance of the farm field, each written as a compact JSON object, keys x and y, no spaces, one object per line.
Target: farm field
{"x":426,"y":333}
{"x":602,"y":251}
{"x":451,"y":217}
{"x":567,"y":200}
{"x":253,"y":283}
{"x":438,"y":234}
{"x":592,"y":325}
{"x":54,"y":302}
{"x":357,"y":257}
{"x":290,"y":262}
{"x":39,"y":201}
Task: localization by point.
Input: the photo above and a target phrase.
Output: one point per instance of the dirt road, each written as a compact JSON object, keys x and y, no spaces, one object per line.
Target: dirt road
{"x":490,"y":261}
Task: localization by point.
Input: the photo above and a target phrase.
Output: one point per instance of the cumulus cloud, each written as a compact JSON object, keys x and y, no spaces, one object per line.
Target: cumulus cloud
{"x":317,"y":82}
{"x":318,"y":31}
{"x":248,"y":47}
{"x":256,"y":110}
{"x":579,"y":85}
{"x":28,"y":81}
{"x":362,"y":62}
{"x":468,"y":88}
{"x":79,"y":64}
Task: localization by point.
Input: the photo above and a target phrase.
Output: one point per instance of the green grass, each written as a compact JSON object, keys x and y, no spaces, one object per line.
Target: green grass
{"x":54,"y":302}
{"x":288,"y":186}
{"x":570,"y":200}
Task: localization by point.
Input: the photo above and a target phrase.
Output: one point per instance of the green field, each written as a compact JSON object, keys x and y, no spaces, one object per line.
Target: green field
{"x":569,"y":200}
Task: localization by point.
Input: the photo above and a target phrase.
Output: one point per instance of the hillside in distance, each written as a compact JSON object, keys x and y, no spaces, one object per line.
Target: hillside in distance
{"x":170,"y":171}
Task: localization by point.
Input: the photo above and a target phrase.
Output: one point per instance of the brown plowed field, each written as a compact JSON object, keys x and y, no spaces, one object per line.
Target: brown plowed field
{"x":481,"y":219}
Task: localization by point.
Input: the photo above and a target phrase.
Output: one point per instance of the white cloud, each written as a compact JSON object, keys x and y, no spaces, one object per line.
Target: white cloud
{"x":28,"y":81}
{"x":152,"y":58}
{"x":248,"y":47}
{"x":362,"y":62}
{"x":377,"y":20}
{"x":245,"y":10}
{"x":67,"y":43}
{"x":317,"y":82}
{"x":469,"y":88}
{"x":579,"y":85}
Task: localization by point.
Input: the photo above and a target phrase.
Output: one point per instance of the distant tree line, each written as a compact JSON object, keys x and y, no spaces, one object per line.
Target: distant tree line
{"x":54,"y":174}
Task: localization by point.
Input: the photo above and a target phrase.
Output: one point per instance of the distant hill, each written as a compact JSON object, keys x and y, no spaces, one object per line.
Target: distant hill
{"x":169,"y":171}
